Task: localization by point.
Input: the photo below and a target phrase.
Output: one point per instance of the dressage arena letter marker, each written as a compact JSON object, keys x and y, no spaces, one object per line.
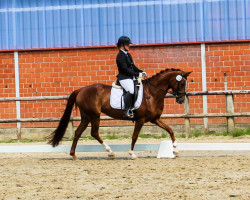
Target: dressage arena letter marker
{"x":166,"y":149}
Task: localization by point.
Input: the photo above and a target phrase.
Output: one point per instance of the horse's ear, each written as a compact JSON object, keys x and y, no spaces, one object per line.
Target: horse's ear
{"x":186,"y":74}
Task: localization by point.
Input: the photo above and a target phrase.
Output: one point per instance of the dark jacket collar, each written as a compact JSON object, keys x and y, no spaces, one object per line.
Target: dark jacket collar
{"x":123,"y":52}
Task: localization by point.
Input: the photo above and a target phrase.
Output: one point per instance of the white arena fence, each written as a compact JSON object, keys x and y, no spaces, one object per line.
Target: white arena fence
{"x":164,"y":148}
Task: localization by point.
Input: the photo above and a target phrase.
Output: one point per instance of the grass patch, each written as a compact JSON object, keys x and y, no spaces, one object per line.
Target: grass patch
{"x":235,"y":133}
{"x":197,"y":133}
{"x":145,"y":136}
{"x":183,"y":135}
{"x":221,"y":134}
{"x":240,"y":132}
{"x":88,"y":138}
{"x":163,"y":135}
{"x":107,"y":137}
{"x":112,"y":137}
{"x":21,"y":141}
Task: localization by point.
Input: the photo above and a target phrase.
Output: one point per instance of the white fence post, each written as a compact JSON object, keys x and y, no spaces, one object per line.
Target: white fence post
{"x":18,"y":110}
{"x":230,"y":109}
{"x":204,"y":84}
{"x":187,"y":120}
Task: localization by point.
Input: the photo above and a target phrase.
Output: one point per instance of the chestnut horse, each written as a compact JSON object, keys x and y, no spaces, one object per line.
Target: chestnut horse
{"x":94,"y":99}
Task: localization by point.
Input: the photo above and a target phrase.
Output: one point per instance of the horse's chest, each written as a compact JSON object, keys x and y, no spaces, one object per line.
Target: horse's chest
{"x":155,"y":109}
{"x":158,"y":106}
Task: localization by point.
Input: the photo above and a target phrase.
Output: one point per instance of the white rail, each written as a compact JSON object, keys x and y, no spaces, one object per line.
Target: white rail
{"x":125,"y":147}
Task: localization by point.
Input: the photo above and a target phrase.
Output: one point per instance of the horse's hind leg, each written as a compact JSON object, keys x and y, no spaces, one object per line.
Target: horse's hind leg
{"x":137,"y":129}
{"x":95,"y":134}
{"x":164,"y":126}
{"x":83,"y":125}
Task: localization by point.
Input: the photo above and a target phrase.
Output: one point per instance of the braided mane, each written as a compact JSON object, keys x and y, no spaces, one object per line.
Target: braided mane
{"x":163,"y":71}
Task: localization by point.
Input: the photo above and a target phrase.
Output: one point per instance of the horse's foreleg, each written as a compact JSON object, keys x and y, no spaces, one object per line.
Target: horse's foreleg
{"x":137,"y":129}
{"x":95,"y":133}
{"x":164,"y":126}
{"x":109,"y":150}
{"x":83,"y":125}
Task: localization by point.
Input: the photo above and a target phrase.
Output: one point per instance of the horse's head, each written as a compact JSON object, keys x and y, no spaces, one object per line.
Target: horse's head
{"x":178,"y":85}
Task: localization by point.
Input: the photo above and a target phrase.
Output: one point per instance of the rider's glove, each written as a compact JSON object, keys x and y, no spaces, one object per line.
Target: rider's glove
{"x":144,"y":74}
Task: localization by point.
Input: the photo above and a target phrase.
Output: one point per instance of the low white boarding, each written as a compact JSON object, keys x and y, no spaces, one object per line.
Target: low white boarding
{"x":165,"y":148}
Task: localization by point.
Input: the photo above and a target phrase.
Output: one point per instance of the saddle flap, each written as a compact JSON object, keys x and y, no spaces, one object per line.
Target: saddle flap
{"x":116,"y":98}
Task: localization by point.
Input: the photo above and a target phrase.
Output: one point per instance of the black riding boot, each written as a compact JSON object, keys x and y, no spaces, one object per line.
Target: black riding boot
{"x":128,"y":98}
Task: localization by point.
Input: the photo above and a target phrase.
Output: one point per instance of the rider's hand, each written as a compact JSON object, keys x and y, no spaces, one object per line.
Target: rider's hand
{"x":144,"y":74}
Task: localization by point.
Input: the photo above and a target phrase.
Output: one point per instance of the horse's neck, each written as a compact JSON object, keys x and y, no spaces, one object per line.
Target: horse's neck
{"x":162,"y":82}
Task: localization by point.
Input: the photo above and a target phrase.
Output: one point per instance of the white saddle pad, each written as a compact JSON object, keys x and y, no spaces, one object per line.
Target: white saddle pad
{"x":116,"y":97}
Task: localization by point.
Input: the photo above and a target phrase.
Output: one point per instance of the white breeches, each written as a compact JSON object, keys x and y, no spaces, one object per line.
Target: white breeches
{"x":128,"y":85}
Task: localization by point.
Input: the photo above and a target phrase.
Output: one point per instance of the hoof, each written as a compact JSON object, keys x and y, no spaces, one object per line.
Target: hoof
{"x":111,"y":155}
{"x":176,"y":153}
{"x":134,"y":158}
{"x":74,"y":157}
{"x":175,"y":144}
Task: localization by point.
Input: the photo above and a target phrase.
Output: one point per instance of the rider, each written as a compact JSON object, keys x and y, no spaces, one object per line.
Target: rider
{"x":127,"y":72}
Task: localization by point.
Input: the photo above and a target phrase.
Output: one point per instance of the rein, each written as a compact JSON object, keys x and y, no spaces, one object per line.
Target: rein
{"x":150,"y":84}
{"x":176,"y":93}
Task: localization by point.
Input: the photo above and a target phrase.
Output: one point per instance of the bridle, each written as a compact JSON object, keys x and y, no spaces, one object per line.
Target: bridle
{"x":177,"y":93}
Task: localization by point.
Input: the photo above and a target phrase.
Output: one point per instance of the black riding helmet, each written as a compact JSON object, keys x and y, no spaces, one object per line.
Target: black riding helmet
{"x":123,"y":40}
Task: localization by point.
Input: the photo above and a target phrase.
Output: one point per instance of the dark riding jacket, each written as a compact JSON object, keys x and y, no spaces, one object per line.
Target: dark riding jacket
{"x":126,"y":66}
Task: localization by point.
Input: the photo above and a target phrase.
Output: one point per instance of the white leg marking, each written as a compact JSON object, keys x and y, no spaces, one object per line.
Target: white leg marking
{"x":132,"y":154}
{"x":109,"y":150}
{"x":175,"y":144}
{"x":175,"y":150}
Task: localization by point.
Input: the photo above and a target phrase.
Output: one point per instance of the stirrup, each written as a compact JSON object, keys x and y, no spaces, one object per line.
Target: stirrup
{"x":129,"y":113}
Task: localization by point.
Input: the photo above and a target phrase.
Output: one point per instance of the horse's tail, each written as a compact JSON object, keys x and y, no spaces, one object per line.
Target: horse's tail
{"x":58,"y":134}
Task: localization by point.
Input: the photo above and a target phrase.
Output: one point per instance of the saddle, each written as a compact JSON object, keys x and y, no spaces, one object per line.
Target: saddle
{"x":116,"y":84}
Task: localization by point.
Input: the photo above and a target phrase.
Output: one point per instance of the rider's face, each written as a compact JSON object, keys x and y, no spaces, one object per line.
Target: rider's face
{"x":127,"y":46}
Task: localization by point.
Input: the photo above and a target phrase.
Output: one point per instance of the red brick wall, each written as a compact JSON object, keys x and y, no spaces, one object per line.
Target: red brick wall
{"x":7,"y":87}
{"x":234,"y":59}
{"x":59,"y":72}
